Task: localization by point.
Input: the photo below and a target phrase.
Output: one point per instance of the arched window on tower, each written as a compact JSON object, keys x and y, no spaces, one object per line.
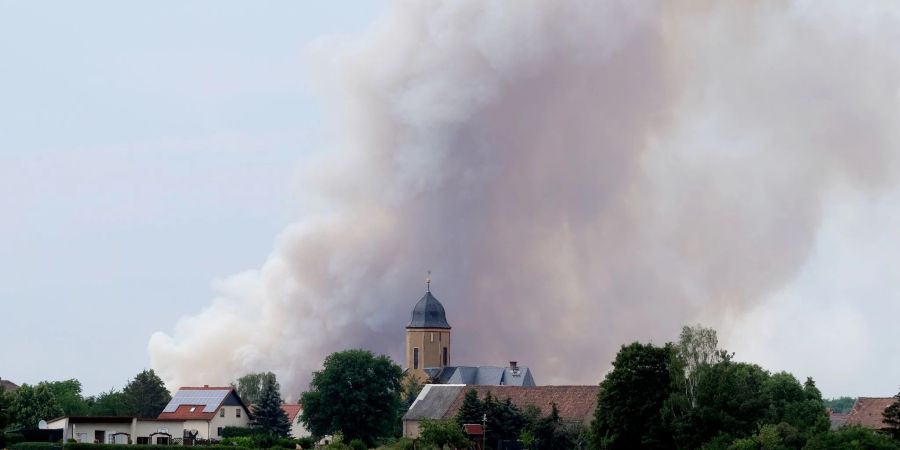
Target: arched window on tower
{"x":415,"y":357}
{"x":446,"y":357}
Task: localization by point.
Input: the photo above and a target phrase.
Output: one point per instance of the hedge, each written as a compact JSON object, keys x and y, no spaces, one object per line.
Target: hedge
{"x":50,"y":446}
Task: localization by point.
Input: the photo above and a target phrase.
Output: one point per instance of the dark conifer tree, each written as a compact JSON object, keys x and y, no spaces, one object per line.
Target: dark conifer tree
{"x":892,"y":418}
{"x":471,"y":410}
{"x":268,"y":414}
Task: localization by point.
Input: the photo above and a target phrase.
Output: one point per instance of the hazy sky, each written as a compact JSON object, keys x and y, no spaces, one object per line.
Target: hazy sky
{"x":146,"y":149}
{"x":149,"y":149}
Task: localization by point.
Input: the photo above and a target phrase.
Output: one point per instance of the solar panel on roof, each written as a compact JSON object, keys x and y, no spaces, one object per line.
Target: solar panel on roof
{"x":209,"y":399}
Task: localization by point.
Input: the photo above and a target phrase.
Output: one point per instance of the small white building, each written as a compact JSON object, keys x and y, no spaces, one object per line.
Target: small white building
{"x":118,"y":430}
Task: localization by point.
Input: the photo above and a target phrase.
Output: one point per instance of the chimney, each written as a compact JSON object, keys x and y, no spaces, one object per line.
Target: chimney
{"x":206,"y":385}
{"x":513,"y":365}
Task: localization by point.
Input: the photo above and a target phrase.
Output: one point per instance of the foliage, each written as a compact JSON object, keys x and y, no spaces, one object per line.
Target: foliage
{"x":357,"y":444}
{"x":852,"y":438}
{"x":146,"y":396}
{"x":355,"y":393}
{"x":892,"y":418}
{"x":109,"y":403}
{"x":250,"y":386}
{"x":505,"y":420}
{"x":306,"y":442}
{"x":730,"y":400}
{"x":697,"y":347}
{"x":472,"y":410}
{"x":411,"y":389}
{"x":31,"y":404}
{"x":629,"y":406}
{"x":5,"y":400}
{"x":840,"y":404}
{"x":441,"y":434}
{"x":267,"y":413}
{"x":48,"y":446}
{"x":231,"y":432}
{"x":68,"y":394}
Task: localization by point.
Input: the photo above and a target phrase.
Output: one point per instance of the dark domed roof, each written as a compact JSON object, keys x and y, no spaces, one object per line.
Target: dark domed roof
{"x":428,"y":313}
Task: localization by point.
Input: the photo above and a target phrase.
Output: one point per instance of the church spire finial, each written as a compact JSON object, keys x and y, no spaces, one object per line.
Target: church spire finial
{"x":428,"y":282}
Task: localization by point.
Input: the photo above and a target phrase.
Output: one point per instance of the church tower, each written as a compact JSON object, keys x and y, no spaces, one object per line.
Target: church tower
{"x":427,"y":337}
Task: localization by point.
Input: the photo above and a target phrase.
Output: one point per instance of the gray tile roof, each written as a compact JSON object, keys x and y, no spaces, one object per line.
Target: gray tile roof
{"x":428,"y":313}
{"x":433,"y":402}
{"x":485,"y":375}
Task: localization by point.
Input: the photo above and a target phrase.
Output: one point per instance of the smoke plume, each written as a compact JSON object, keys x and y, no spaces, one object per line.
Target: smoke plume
{"x":575,"y":174}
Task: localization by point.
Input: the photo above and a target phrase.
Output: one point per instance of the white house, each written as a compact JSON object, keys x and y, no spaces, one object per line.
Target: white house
{"x":205,"y":411}
{"x":293,"y":415}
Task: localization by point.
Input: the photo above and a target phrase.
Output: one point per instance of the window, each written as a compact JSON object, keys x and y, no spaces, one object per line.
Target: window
{"x":222,"y":412}
{"x":219,"y":431}
{"x":237,"y":412}
{"x":415,"y":357}
{"x":446,"y":357}
{"x":143,"y":440}
{"x":432,"y":337}
{"x":162,"y":440}
{"x":193,"y":408}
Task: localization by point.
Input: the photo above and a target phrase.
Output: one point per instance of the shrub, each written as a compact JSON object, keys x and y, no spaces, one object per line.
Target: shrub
{"x":358,"y":444}
{"x":306,"y":442}
{"x":34,"y":446}
{"x":229,"y":432}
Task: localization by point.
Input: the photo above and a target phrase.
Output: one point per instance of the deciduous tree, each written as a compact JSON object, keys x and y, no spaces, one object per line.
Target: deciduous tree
{"x":249,"y":387}
{"x":109,"y":403}
{"x":442,"y":433}
{"x":146,"y":395}
{"x":356,"y":393}
{"x":68,"y":394}
{"x":629,"y":412}
{"x":31,"y":404}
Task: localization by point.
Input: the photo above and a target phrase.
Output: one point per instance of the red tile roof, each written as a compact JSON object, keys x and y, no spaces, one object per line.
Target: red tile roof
{"x":207,"y":388}
{"x":574,"y":403}
{"x":183,"y":412}
{"x":292,"y":411}
{"x":473,"y":429}
{"x":868,"y":411}
{"x":7,"y":385}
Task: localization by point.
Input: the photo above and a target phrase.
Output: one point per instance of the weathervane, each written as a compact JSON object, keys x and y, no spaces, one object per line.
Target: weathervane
{"x":428,"y":282}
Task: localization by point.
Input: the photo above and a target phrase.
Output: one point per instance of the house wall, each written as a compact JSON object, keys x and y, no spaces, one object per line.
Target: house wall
{"x":144,"y":428}
{"x":230,"y":420}
{"x":411,"y":429}
{"x":430,"y":342}
{"x":85,"y":432}
{"x":202,"y":426}
{"x":298,"y":430}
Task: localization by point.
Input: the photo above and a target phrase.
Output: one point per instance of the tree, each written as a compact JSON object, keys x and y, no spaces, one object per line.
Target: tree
{"x":356,"y":393}
{"x":892,"y":418}
{"x":731,"y":400}
{"x":4,"y":409}
{"x":629,"y":406}
{"x":146,"y":396}
{"x":31,"y":404}
{"x":472,"y":410}
{"x":68,"y":394}
{"x":442,"y":433}
{"x":411,"y":389}
{"x":840,"y":404}
{"x":249,"y":387}
{"x":109,"y":403}
{"x":267,"y":413}
{"x":852,"y":438}
{"x":697,"y":347}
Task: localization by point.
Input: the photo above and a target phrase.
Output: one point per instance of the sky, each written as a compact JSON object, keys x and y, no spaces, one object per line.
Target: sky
{"x":146,"y":150}
{"x":155,"y":168}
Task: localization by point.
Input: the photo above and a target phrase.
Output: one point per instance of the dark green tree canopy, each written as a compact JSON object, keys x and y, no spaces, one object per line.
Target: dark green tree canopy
{"x":267,"y":412}
{"x":31,"y":404}
{"x":892,"y":418}
{"x":629,"y":412}
{"x":472,"y":410}
{"x":355,"y":393}
{"x":442,"y":434}
{"x":146,"y":396}
{"x":109,"y":403}
{"x":68,"y":394}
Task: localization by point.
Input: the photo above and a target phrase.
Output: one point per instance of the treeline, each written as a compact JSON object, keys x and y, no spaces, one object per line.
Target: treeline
{"x":143,"y":396}
{"x":693,"y":395}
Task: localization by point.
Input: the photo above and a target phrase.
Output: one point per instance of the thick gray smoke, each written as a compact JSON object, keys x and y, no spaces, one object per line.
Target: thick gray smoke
{"x":575,"y":174}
